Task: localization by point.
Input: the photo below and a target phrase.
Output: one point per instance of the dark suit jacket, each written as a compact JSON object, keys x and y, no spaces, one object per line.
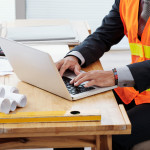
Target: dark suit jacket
{"x":109,"y":33}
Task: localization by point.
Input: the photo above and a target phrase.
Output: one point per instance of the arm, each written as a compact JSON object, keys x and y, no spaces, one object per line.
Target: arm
{"x":94,"y":46}
{"x":105,"y":78}
{"x":109,"y":33}
{"x":141,"y":74}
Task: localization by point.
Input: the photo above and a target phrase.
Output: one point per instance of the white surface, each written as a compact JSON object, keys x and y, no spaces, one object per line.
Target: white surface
{"x":7,"y":10}
{"x":5,"y":67}
{"x":40,"y":33}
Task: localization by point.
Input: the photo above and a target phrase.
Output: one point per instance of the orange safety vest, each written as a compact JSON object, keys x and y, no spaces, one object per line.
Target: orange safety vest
{"x":140,"y":50}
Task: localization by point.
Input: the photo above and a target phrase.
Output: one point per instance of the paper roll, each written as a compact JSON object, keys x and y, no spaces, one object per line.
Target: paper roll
{"x":20,"y":99}
{"x":5,"y":105}
{"x":10,"y":89}
{"x":13,"y":105}
{"x":2,"y":92}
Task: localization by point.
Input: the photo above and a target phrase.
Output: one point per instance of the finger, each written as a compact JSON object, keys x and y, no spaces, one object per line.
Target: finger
{"x":72,"y":81}
{"x":77,"y":69}
{"x":90,"y":83}
{"x":63,"y":68}
{"x":59,"y":64}
{"x":81,"y":80}
{"x":78,"y":77}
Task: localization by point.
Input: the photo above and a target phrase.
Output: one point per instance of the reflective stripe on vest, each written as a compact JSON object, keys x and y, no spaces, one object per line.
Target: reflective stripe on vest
{"x":136,"y":49}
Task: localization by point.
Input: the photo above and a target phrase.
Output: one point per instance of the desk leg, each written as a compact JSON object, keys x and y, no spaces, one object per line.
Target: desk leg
{"x":105,"y":142}
{"x":98,"y":142}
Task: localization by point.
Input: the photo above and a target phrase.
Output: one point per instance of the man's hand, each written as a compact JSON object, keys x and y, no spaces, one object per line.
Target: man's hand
{"x":95,"y":77}
{"x":71,"y":63}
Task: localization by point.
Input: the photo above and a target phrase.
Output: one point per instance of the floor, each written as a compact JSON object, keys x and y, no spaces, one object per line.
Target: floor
{"x":109,"y":60}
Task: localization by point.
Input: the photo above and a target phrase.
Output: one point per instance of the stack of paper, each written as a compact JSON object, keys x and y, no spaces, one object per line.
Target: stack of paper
{"x":5,"y":67}
{"x":60,"y":34}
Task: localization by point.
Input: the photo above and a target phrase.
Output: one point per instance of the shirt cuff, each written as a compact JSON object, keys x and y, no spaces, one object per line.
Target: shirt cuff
{"x":125,"y":78}
{"x":78,"y":55}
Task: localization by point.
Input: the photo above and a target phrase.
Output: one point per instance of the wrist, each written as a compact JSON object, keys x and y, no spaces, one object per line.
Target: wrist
{"x":115,"y":76}
{"x":74,"y":58}
{"x":111,"y":78}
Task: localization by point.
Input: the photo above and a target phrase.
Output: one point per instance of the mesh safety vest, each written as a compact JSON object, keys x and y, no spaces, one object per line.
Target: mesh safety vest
{"x":140,"y":49}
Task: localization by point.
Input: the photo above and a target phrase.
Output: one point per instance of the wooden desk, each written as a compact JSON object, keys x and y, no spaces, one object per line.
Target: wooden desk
{"x":76,"y":134}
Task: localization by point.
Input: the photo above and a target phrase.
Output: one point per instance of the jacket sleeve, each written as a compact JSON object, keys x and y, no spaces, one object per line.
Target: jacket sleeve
{"x":141,"y":74}
{"x":109,"y":33}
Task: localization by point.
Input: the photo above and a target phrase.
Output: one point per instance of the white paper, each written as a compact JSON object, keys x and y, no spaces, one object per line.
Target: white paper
{"x":35,"y":33}
{"x":5,"y":105}
{"x":20,"y":99}
{"x":2,"y":92}
{"x":6,"y":73}
{"x":5,"y":67}
{"x":9,"y":89}
{"x":10,"y":99}
{"x":13,"y":105}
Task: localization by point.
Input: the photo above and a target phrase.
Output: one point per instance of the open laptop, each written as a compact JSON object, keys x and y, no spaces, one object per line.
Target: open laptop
{"x":37,"y":68}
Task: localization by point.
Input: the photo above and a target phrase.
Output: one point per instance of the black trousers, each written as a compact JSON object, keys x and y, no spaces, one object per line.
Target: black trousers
{"x":139,"y":116}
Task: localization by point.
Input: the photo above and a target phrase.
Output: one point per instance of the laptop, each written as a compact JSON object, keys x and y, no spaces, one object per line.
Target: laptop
{"x":37,"y":68}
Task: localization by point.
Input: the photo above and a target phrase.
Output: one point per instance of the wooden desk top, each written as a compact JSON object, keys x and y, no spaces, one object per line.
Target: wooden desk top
{"x":114,"y":121}
{"x":114,"y":118}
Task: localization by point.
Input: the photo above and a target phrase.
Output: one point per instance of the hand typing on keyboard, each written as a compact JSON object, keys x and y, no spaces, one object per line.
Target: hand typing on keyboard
{"x":69,"y":62}
{"x":95,"y":77}
{"x":75,"y":89}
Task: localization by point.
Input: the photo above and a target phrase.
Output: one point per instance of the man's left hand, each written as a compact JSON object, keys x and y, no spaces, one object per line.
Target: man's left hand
{"x":96,"y":77}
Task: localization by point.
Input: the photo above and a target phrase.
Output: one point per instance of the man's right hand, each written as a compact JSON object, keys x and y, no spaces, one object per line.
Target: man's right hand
{"x":69,"y":62}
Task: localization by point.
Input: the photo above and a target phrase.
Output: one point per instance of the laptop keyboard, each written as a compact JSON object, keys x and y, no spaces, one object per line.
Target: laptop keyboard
{"x":75,"y":89}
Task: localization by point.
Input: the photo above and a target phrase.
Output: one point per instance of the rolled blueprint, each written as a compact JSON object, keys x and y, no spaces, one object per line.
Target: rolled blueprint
{"x":2,"y":92}
{"x":20,"y":99}
{"x":13,"y":105}
{"x":10,"y":89}
{"x":5,"y":105}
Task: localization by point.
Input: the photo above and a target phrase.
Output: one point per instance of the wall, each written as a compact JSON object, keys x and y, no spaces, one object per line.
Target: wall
{"x":91,"y":10}
{"x":7,"y":10}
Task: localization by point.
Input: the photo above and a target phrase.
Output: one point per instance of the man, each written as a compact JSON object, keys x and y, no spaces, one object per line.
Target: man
{"x":130,"y":18}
